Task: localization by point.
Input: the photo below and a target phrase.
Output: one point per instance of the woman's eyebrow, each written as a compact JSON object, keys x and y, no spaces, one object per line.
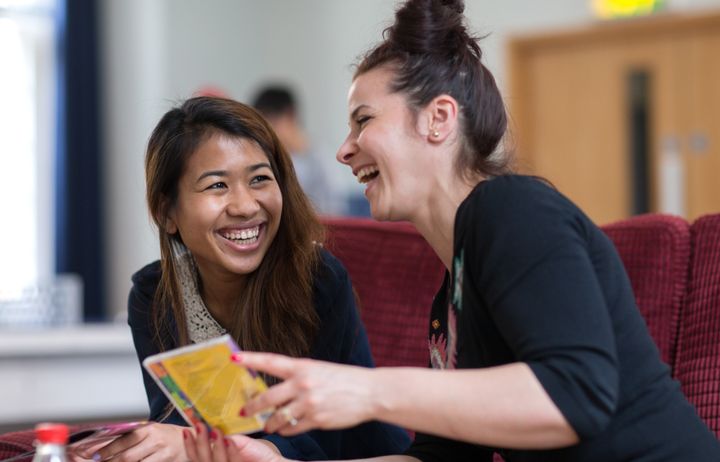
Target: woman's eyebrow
{"x":254,"y":167}
{"x":356,"y":110}
{"x":224,"y":173}
{"x":212,"y":173}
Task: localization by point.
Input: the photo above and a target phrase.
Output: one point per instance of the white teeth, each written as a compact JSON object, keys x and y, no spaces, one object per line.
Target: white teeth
{"x":363,"y":175}
{"x":245,"y":236}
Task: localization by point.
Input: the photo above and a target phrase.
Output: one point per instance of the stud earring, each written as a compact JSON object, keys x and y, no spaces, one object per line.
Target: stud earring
{"x":435,"y":133}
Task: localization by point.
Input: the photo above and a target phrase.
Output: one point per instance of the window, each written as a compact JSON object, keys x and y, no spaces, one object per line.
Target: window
{"x":28,"y":121}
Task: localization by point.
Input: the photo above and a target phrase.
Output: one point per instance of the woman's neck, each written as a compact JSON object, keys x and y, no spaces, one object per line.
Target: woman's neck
{"x":220,"y":297}
{"x":436,"y":221}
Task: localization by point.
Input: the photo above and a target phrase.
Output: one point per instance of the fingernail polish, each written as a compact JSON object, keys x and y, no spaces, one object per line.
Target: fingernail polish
{"x":227,"y":443}
{"x":236,"y":357}
{"x":213,"y":435}
{"x":242,"y":413}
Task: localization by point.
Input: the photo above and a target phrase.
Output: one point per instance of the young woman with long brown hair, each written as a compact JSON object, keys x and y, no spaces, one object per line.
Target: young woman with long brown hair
{"x":239,"y":254}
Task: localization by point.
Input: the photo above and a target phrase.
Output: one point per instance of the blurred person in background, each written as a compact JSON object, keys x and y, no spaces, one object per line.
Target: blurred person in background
{"x":278,"y":104}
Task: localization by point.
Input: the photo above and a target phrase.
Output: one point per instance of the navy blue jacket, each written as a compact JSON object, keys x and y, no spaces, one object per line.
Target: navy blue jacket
{"x":341,"y":339}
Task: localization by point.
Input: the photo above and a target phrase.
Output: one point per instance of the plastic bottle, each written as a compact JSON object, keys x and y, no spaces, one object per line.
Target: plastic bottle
{"x":51,"y":440}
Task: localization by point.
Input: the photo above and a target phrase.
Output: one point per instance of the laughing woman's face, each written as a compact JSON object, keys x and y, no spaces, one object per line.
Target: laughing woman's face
{"x":228,"y":207}
{"x":384,"y":148}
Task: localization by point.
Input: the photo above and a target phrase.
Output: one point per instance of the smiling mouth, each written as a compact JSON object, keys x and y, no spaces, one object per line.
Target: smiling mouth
{"x":242,"y":237}
{"x":367,"y":174}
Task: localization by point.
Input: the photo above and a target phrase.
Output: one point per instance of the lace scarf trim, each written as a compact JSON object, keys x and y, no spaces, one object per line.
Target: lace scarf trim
{"x":200,"y":323}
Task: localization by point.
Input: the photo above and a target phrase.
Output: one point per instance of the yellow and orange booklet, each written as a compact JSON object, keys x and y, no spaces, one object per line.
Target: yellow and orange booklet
{"x":206,"y":386}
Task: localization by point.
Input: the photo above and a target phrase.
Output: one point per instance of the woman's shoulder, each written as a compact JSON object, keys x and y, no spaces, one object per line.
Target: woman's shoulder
{"x":146,"y":279}
{"x":514,"y":209}
{"x":512,"y":186}
{"x":149,"y":273}
{"x":330,"y":271}
{"x":332,"y":283}
{"x":517,"y":198}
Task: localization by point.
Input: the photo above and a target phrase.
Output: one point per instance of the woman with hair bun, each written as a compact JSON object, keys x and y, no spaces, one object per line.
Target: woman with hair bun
{"x":538,"y":350}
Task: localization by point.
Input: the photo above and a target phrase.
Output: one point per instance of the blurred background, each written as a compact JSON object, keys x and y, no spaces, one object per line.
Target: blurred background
{"x":616,"y":102}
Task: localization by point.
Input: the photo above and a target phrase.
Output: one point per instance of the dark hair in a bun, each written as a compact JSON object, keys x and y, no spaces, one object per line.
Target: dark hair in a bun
{"x":432,"y":53}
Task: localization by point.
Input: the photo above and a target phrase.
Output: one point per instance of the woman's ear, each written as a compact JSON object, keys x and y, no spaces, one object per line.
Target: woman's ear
{"x":441,"y":115}
{"x":170,"y":225}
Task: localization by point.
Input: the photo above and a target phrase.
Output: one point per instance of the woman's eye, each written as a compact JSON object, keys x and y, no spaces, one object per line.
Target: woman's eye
{"x":360,"y":121}
{"x":260,"y":179}
{"x":218,"y":185}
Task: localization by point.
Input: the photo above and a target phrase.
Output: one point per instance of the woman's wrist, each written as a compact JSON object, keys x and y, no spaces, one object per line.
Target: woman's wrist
{"x":382,"y":396}
{"x":269,"y":444}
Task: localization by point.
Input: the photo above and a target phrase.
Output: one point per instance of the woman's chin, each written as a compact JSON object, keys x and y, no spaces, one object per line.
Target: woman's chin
{"x":380,"y":213}
{"x":377,"y":213}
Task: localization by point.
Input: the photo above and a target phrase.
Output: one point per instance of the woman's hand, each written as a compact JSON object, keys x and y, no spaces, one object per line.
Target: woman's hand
{"x":214,"y":447}
{"x":154,"y":442}
{"x":313,"y":394}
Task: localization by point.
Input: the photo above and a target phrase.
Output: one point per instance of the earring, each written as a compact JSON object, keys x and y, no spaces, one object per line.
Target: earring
{"x":435,"y":133}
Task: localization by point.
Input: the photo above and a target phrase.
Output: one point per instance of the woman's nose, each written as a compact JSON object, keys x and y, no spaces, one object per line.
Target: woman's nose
{"x":346,"y":151}
{"x":242,"y":203}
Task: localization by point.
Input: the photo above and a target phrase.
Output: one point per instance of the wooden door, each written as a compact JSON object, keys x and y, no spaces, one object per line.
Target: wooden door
{"x":575,"y":136}
{"x":570,"y":103}
{"x":701,"y":122}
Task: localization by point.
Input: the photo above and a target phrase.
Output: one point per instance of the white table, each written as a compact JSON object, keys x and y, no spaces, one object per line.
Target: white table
{"x":83,"y":373}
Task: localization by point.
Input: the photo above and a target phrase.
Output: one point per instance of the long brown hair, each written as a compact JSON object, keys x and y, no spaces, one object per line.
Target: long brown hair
{"x":431,"y":53}
{"x":276,"y":312}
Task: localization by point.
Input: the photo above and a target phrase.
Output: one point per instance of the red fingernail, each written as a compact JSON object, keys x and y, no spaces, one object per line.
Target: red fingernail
{"x":213,"y":435}
{"x":227,"y":443}
{"x":198,"y":428}
{"x":236,"y":357}
{"x":242,"y":412}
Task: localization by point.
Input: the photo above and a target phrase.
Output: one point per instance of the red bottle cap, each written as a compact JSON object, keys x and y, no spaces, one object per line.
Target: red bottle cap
{"x":56,"y":433}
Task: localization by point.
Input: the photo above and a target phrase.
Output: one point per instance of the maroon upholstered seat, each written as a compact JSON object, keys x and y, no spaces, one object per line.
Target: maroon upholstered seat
{"x":697,"y":365}
{"x":655,"y":250}
{"x":396,"y":275}
{"x":15,"y":443}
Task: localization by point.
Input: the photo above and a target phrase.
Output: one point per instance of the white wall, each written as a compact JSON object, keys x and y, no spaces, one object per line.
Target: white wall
{"x":158,"y":52}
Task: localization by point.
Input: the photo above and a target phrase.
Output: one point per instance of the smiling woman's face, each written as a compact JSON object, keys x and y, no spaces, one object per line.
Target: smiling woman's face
{"x":228,"y":207}
{"x":385,"y":148}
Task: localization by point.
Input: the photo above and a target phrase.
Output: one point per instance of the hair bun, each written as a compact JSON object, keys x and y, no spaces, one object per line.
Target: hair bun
{"x":457,"y":5}
{"x":432,"y":27}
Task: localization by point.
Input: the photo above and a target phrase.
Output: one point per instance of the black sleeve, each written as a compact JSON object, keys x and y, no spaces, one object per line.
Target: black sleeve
{"x":539,"y":283}
{"x":139,"y":318}
{"x":429,"y":448}
{"x":342,"y":337}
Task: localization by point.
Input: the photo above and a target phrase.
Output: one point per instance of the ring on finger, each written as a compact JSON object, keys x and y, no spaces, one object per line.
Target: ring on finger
{"x":287,"y":415}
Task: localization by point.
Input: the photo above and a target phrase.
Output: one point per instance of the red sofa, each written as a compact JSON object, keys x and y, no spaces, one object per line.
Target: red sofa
{"x":674,"y":267}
